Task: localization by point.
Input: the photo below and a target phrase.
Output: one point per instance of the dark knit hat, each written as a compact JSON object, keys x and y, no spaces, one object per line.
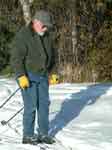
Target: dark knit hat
{"x":44,"y":17}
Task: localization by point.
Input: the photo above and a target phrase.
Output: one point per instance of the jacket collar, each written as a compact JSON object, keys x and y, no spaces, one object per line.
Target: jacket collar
{"x":31,"y":29}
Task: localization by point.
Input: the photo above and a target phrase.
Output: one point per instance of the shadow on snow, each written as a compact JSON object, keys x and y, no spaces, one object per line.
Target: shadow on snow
{"x":72,"y":107}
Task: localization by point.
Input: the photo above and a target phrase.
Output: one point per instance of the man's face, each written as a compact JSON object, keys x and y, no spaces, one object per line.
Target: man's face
{"x":38,"y":26}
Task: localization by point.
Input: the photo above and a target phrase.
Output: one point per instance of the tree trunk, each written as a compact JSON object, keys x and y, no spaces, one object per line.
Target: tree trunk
{"x":26,"y":9}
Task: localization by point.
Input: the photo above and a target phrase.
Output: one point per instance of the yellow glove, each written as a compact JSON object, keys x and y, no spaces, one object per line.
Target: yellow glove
{"x":23,"y":81}
{"x":54,"y":79}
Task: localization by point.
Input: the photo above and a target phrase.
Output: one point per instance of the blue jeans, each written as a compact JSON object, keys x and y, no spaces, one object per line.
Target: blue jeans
{"x":36,"y":99}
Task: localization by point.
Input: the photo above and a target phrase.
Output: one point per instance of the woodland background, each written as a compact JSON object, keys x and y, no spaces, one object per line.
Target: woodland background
{"x":83,"y":36}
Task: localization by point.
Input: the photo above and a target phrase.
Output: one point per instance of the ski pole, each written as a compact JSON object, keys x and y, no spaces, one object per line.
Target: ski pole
{"x":4,"y":122}
{"x":10,"y":97}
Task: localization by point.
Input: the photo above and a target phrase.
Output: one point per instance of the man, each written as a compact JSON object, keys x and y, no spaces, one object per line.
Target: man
{"x":32,"y":60}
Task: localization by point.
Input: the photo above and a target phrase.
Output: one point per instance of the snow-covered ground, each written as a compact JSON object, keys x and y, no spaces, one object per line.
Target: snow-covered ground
{"x":80,"y":117}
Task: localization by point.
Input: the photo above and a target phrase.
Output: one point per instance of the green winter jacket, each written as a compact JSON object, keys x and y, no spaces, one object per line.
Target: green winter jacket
{"x":32,"y":53}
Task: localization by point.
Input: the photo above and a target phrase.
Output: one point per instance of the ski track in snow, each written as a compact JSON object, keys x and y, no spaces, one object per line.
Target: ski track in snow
{"x":80,"y":117}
